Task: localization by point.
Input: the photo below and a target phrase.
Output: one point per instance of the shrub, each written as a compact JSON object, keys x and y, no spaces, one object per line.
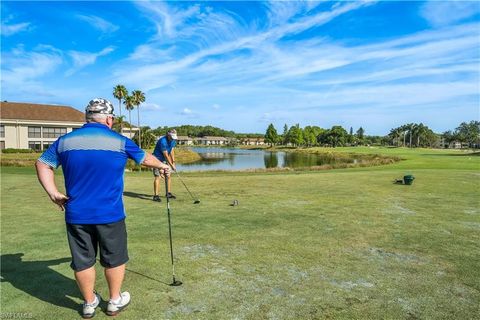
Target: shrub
{"x":12,"y":150}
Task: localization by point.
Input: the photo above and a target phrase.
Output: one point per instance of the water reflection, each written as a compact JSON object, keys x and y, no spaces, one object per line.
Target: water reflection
{"x":239,"y":159}
{"x":270,"y":159}
{"x":299,"y":160}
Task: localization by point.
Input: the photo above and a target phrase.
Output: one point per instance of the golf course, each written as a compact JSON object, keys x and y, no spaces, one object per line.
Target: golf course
{"x":300,"y":244}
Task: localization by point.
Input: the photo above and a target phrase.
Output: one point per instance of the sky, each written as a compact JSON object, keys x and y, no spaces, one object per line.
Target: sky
{"x":241,"y":65}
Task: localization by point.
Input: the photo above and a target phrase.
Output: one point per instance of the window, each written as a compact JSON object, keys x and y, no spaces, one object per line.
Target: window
{"x":47,"y":145}
{"x":53,"y":132}
{"x":2,"y":131}
{"x":34,"y":132}
{"x":35,"y":145}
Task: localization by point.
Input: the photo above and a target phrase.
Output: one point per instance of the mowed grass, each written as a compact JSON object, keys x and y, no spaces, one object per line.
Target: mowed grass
{"x":338,"y":244}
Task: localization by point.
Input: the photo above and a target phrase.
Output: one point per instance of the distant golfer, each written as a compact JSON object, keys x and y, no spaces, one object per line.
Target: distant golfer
{"x":93,"y":160}
{"x":164,"y":151}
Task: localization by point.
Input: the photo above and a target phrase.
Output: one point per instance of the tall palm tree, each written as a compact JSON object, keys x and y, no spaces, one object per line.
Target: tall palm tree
{"x":421,"y":131}
{"x":118,"y":124}
{"x":120,"y":92}
{"x":129,"y":105}
{"x":138,"y":99}
{"x":411,"y":131}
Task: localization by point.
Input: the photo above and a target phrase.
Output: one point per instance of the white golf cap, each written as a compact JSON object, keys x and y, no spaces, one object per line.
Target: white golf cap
{"x":173,"y":134}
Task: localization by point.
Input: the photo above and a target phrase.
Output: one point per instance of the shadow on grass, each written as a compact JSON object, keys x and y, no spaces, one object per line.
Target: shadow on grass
{"x":38,"y":280}
{"x":145,"y":276}
{"x":138,"y":195}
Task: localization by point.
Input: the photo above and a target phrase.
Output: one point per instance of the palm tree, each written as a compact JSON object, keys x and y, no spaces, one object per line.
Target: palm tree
{"x":395,"y":134}
{"x":120,"y":92}
{"x":138,"y":98}
{"x":148,"y":137}
{"x":421,"y":131}
{"x":118,"y":124}
{"x":412,"y":129}
{"x":129,"y":105}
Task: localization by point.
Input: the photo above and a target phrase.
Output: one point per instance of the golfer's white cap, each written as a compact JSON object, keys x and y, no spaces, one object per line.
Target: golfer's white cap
{"x":99,"y":105}
{"x":173,"y":134}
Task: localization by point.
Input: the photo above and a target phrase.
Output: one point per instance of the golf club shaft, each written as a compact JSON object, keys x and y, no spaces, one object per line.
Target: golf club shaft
{"x":191,"y":195}
{"x":170,"y":229}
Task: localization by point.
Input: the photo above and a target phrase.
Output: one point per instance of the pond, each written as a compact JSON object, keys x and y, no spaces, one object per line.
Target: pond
{"x":241,"y":159}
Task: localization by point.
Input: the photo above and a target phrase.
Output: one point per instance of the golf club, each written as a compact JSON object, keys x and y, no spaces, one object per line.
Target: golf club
{"x":195,"y":199}
{"x":175,"y":283}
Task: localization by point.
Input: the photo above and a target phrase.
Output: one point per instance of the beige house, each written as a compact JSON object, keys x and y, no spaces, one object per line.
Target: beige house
{"x":209,"y":140}
{"x":126,"y":132}
{"x":184,"y":140}
{"x":35,"y":126}
{"x":253,"y":141}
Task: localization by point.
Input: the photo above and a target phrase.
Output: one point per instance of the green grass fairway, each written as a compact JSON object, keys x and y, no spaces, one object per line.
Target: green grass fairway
{"x":337,"y":244}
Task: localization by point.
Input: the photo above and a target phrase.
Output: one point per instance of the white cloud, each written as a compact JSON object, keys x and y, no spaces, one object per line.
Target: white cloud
{"x":83,"y":59}
{"x":167,"y":19}
{"x":11,"y":29}
{"x":281,"y":12}
{"x":23,"y":69}
{"x":442,"y":13}
{"x":33,"y":76}
{"x":186,"y":111}
{"x":148,"y":106}
{"x":147,"y":75}
{"x":98,"y":23}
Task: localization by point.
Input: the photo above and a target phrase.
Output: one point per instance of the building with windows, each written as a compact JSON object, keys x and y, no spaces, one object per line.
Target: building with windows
{"x":253,"y":141}
{"x":35,"y":126}
{"x":184,"y":140}
{"x":209,"y":140}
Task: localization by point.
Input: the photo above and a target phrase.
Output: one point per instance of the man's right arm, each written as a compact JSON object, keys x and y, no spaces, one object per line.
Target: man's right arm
{"x":45,"y":175}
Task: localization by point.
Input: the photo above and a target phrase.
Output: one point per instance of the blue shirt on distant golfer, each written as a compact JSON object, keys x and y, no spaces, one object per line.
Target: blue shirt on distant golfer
{"x":164,"y":145}
{"x":95,"y":195}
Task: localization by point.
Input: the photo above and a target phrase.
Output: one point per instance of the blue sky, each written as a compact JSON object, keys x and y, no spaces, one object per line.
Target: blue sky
{"x":242,"y":65}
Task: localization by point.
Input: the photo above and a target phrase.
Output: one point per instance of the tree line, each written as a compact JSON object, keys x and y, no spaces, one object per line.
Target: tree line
{"x":411,"y":135}
{"x":311,"y":136}
{"x":419,"y":135}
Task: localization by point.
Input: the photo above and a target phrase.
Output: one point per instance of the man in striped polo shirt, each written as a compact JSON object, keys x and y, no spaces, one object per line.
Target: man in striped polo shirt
{"x":93,"y":160}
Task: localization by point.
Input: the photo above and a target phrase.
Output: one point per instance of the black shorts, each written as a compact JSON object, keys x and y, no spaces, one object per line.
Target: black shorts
{"x":85,"y":239}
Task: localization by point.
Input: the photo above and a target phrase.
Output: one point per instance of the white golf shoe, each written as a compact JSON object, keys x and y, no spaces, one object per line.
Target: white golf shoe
{"x":114,"y":307}
{"x":89,"y":308}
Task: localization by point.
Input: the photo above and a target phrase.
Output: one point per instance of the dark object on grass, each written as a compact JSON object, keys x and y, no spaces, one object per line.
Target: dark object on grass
{"x":196,"y":201}
{"x":175,"y":282}
{"x":234,"y":203}
{"x":398,"y":181}
{"x":408,"y":179}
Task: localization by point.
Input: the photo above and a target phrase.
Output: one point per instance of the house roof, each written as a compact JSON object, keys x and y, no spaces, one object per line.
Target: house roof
{"x":33,"y":111}
{"x":212,"y":138}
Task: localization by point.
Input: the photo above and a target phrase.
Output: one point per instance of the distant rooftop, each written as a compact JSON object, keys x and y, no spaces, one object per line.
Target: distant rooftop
{"x":33,"y":111}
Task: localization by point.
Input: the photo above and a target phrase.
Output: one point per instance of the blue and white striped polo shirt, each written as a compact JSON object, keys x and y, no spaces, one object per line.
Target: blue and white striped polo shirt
{"x":93,"y":160}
